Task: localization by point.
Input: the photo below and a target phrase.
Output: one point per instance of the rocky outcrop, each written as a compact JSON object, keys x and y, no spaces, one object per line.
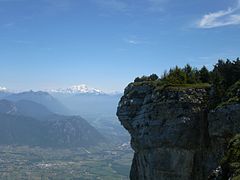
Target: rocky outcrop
{"x":172,"y":133}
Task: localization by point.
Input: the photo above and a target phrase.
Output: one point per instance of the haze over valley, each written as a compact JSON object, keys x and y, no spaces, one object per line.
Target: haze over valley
{"x":81,"y":123}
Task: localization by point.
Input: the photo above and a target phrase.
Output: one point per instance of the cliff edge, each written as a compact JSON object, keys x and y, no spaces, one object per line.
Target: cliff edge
{"x":174,"y":134}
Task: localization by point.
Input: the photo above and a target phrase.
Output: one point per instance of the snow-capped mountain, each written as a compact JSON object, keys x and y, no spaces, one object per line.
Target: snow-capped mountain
{"x":4,"y":92}
{"x":3,"y":89}
{"x":78,"y":89}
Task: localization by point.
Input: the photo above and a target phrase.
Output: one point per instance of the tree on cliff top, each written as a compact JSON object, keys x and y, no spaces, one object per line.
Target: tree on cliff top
{"x":204,"y":75}
{"x":223,"y":76}
{"x":176,"y":76}
{"x":152,"y":77}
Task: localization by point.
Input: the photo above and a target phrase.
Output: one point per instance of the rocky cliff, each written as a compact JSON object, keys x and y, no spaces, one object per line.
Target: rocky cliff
{"x":173,"y":133}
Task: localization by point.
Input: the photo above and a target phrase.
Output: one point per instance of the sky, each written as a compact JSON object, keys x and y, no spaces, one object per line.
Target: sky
{"x":49,"y":44}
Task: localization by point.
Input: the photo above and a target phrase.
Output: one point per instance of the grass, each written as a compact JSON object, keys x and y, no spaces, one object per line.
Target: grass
{"x":161,"y":84}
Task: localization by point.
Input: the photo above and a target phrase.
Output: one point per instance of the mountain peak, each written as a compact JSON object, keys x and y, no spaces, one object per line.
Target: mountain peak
{"x":79,"y":89}
{"x":3,"y":89}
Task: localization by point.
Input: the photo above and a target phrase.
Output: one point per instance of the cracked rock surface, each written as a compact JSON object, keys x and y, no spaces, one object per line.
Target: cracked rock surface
{"x":173,"y":134}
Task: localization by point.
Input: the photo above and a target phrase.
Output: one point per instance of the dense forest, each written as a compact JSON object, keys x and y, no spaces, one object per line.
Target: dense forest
{"x":223,"y":80}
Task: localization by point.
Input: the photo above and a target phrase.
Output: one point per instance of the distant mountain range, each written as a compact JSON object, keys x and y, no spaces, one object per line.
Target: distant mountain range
{"x":78,"y":89}
{"x":26,"y":122}
{"x":99,"y":110}
{"x":97,"y":107}
{"x":40,"y":97}
{"x":24,"y":108}
{"x":75,"y":89}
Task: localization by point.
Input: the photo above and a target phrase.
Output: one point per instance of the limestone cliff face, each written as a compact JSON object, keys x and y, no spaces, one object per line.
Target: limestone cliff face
{"x":172,"y":134}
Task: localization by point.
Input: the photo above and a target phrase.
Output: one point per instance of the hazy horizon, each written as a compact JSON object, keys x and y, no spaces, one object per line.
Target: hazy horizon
{"x":57,"y":89}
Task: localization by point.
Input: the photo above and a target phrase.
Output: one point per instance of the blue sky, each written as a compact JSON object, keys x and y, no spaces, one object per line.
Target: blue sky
{"x":47,"y":44}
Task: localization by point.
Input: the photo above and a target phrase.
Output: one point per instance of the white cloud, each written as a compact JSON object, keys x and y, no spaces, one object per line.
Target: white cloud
{"x":228,"y":17}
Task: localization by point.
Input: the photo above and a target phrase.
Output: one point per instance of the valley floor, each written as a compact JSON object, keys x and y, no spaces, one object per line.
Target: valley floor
{"x":102,"y":162}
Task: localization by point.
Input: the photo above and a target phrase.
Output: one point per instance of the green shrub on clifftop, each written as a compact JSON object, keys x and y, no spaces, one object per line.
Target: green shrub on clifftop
{"x":224,"y":80}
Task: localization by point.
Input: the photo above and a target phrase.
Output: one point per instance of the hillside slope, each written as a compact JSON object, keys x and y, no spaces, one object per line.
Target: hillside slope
{"x":28,"y":123}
